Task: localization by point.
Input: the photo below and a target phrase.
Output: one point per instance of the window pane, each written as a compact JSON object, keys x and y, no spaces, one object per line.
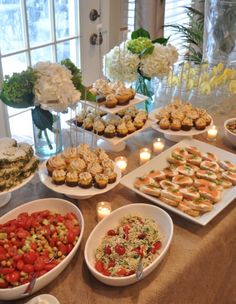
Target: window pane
{"x":67,"y":49}
{"x":41,"y":54}
{"x":38,"y":21}
{"x":16,"y":63}
{"x":11,"y":34}
{"x":63,"y":13}
{"x":21,"y":127}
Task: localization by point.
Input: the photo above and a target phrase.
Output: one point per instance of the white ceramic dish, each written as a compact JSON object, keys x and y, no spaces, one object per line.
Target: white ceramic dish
{"x":75,"y":192}
{"x":137,"y":99}
{"x":228,"y":134}
{"x":163,"y":221}
{"x":43,"y":299}
{"x":175,"y":135}
{"x":160,"y":162}
{"x":56,"y":205}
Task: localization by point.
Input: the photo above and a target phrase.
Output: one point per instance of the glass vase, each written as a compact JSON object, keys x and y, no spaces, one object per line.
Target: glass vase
{"x":48,"y":142}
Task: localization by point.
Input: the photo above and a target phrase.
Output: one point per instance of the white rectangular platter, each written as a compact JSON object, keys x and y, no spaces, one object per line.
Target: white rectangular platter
{"x":137,"y":99}
{"x":115,"y":140}
{"x":160,"y":162}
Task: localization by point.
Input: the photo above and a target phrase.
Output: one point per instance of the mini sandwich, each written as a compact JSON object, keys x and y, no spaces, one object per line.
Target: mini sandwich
{"x":176,"y":160}
{"x":172,"y":194}
{"x":182,"y":181}
{"x":180,"y":152}
{"x":211,"y":193}
{"x":190,"y":193}
{"x":194,"y":159}
{"x":227,"y":165}
{"x":201,"y":182}
{"x":145,"y":180}
{"x":209,"y":165}
{"x":223,"y":183}
{"x":185,"y":207}
{"x":209,"y":156}
{"x":170,"y":172}
{"x":168,"y":201}
{"x":167,"y":184}
{"x":186,"y":170}
{"x":157,"y":175}
{"x":201,"y":204}
{"x":150,"y":189}
{"x":193,"y":150}
{"x":230,"y":176}
{"x":206,"y":174}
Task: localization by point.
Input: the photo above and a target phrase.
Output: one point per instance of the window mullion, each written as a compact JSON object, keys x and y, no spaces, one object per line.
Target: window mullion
{"x":53,"y":29}
{"x":25,"y":30}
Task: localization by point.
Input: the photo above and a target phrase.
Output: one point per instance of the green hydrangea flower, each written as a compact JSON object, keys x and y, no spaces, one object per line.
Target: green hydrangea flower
{"x":136,"y":46}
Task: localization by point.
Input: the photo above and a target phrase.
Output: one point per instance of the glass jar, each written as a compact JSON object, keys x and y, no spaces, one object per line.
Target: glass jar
{"x":220,"y":32}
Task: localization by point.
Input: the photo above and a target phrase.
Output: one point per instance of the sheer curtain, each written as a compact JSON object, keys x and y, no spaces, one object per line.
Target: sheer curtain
{"x":150,"y":16}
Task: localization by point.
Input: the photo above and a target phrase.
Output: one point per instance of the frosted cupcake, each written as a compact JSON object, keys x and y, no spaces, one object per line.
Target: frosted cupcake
{"x":122,"y":130}
{"x":69,"y":154}
{"x":58,"y":176}
{"x":71,"y":179}
{"x":55,"y":162}
{"x":77,"y":165}
{"x":85,"y":180}
{"x":110,"y":131}
{"x":111,"y":101}
{"x":94,"y":168}
{"x":98,"y":127}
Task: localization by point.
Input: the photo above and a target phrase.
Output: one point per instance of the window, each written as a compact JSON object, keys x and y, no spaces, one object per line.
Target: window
{"x":175,"y":13}
{"x":32,"y":31}
{"x":131,"y":17}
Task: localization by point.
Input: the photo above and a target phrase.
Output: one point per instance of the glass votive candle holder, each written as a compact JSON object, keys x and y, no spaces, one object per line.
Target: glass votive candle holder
{"x":121,"y":162}
{"x":144,"y":155}
{"x":212,"y":133}
{"x":158,"y":145}
{"x":103,"y":209}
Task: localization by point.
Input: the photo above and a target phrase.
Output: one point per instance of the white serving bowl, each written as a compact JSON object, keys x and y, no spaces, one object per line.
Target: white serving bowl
{"x":228,"y":134}
{"x":163,"y":221}
{"x":53,"y":204}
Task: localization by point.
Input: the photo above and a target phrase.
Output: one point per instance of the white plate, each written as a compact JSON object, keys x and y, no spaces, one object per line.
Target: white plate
{"x":161,"y":218}
{"x":137,"y":99}
{"x":115,"y":140}
{"x":75,"y":192}
{"x":43,"y":299}
{"x":160,"y":162}
{"x":169,"y":132}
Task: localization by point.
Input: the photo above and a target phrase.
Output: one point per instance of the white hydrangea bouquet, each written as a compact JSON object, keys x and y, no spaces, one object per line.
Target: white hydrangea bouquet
{"x":139,"y":60}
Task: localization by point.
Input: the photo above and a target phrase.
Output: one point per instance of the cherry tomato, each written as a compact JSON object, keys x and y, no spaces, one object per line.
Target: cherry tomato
{"x":30,"y":257}
{"x":120,"y":249}
{"x":62,"y":247}
{"x":121,"y":272}
{"x":13,"y":277}
{"x":20,"y":265}
{"x":107,"y":249}
{"x":39,"y":264}
{"x":71,"y":236}
{"x":99,"y":266}
{"x":28,"y":268}
{"x":106,"y":272}
{"x":111,"y":263}
{"x":111,"y":232}
{"x":3,"y":283}
{"x":142,"y":236}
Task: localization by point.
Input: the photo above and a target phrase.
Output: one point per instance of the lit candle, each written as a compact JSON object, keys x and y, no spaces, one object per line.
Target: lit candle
{"x":144,"y":155}
{"x":121,"y":162}
{"x":158,"y":145}
{"x":103,"y":210}
{"x":212,"y":133}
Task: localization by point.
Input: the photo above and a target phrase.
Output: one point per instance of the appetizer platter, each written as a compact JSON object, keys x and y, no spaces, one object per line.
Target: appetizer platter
{"x":179,"y":120}
{"x":17,"y":167}
{"x":80,"y":172}
{"x":192,"y":178}
{"x":120,"y":243}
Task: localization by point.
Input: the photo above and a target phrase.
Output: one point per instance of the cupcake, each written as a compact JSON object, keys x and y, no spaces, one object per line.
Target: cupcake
{"x":193,"y":115}
{"x":122,"y":130}
{"x":110,"y":131}
{"x":187,"y":124}
{"x":77,"y":165}
{"x":98,"y":127}
{"x":94,"y":168}
{"x":55,"y":162}
{"x":101,"y":181}
{"x":108,"y":163}
{"x":85,"y":180}
{"x":115,"y":85}
{"x":200,"y":124}
{"x":111,"y":175}
{"x":71,"y":179}
{"x":122,"y":113}
{"x":88,"y":124}
{"x":130,"y":126}
{"x":132,"y":111}
{"x":83,"y":149}
{"x":126,"y":118}
{"x":138,"y":123}
{"x":207,"y":118}
{"x":90,"y":157}
{"x":142,"y":114}
{"x":111,"y":101}
{"x":69,"y":154}
{"x":164,"y":123}
{"x":123,"y":96}
{"x":58,"y":176}
{"x":177,"y":115}
{"x":132,"y":93}
{"x":175,"y":125}
{"x":79,"y":119}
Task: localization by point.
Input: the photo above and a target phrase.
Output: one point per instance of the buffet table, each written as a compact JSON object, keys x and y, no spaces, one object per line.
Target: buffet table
{"x":200,"y":266}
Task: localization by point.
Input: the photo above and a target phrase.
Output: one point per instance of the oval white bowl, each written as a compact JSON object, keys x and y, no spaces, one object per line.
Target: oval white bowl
{"x":53,"y":204}
{"x":163,"y":221}
{"x":228,"y":134}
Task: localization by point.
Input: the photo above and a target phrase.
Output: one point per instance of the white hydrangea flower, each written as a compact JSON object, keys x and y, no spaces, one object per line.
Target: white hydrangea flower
{"x":159,"y":62}
{"x":54,"y":89}
{"x":121,"y":64}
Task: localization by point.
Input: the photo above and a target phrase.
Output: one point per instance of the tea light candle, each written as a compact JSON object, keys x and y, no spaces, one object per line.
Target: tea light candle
{"x":212,"y":133}
{"x":103,"y":210}
{"x":144,"y":155}
{"x":121,"y":162}
{"x":158,"y":145}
